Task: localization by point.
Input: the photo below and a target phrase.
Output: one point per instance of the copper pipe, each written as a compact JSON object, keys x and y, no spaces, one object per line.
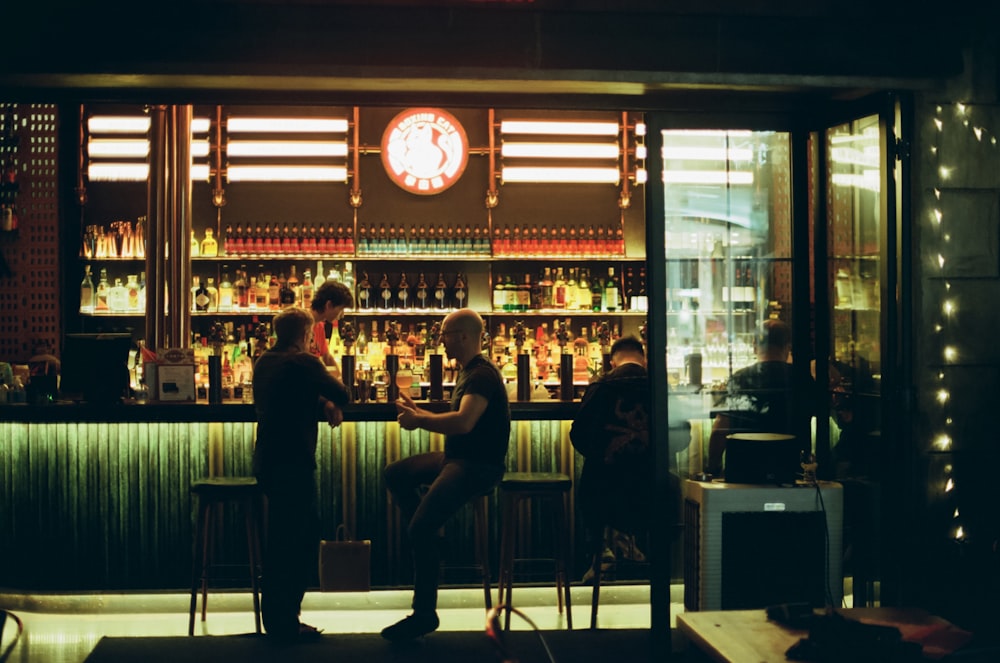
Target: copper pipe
{"x":625,"y":198}
{"x":218,"y":193}
{"x":81,"y":189}
{"x":156,"y":240}
{"x":180,"y":226}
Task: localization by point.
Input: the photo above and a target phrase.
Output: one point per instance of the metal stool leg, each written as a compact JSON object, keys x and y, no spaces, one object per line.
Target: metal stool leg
{"x":197,"y":565}
{"x":250,"y":518}
{"x":563,"y":555}
{"x":595,"y":569}
{"x":507,"y":555}
{"x":482,"y":548}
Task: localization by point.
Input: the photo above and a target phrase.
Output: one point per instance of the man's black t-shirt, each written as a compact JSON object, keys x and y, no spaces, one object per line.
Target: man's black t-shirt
{"x":487,"y":441}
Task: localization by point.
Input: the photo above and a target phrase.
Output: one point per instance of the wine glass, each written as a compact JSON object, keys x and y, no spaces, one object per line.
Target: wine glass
{"x":404,"y":378}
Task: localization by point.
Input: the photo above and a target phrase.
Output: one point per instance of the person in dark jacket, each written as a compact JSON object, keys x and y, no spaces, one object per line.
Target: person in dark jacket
{"x":291,"y":390}
{"x":611,"y":432}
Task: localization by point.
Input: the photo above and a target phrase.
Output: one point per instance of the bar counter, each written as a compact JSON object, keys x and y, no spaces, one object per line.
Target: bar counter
{"x":98,"y":497}
{"x":235,"y":411}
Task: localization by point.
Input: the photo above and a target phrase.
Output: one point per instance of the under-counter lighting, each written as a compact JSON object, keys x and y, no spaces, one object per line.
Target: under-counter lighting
{"x":133,"y":148}
{"x":238,"y":173}
{"x":118,"y":124}
{"x":567,"y":128}
{"x":560,"y":175}
{"x":286,"y":125}
{"x":279,"y":148}
{"x":560,"y":150}
{"x":118,"y":172}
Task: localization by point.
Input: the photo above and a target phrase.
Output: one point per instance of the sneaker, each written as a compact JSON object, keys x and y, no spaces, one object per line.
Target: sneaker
{"x":412,"y":627}
{"x":304,"y":633}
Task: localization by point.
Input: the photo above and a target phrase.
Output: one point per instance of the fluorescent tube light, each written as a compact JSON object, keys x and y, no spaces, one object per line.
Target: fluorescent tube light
{"x":707,"y":177}
{"x":286,"y":125}
{"x":560,"y":175}
{"x":561,"y":150}
{"x":279,"y":148}
{"x":286,"y":173}
{"x":559,"y":128}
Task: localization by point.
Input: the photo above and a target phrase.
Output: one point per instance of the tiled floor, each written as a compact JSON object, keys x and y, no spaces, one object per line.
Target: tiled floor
{"x":65,"y":628}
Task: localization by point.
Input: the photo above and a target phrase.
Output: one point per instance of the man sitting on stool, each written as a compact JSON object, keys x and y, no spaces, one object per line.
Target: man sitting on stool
{"x":611,"y":432}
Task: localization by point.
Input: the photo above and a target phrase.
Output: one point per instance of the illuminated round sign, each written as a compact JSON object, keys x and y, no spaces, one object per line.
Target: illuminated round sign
{"x":424,"y":150}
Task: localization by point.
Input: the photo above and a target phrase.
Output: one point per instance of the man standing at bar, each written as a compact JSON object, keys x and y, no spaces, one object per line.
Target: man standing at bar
{"x":477,"y":432}
{"x":290,"y":388}
{"x":328,"y":304}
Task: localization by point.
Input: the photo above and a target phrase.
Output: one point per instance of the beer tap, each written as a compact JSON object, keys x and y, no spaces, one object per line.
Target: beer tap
{"x":348,"y":336}
{"x":562,"y":336}
{"x":519,"y":335}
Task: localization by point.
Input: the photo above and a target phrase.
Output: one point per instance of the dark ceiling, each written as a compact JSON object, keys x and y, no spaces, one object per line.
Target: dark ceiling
{"x":467,"y":52}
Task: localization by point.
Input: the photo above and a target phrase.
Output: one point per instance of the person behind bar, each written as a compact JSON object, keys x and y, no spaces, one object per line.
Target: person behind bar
{"x":290,"y":388}
{"x":477,"y":432}
{"x":328,"y":304}
{"x":761,"y":397}
{"x":611,"y":432}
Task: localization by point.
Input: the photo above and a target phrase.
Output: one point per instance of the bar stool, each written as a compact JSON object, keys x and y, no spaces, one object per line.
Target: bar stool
{"x":212,"y":495}
{"x":552,"y":488}
{"x":481,"y":543}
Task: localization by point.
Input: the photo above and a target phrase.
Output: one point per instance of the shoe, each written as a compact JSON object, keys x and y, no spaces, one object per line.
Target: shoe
{"x":412,"y":627}
{"x":626,"y":548}
{"x":607,"y":563}
{"x":304,"y":633}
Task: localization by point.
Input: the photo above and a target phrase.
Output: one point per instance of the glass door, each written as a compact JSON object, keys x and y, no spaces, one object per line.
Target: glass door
{"x":729,"y":258}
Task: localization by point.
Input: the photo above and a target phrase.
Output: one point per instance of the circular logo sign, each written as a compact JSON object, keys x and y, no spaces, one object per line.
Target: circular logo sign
{"x":424,"y":150}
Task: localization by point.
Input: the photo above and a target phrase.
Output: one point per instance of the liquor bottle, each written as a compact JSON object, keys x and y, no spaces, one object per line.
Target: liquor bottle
{"x":195,"y":247}
{"x":583,"y":290}
{"x":545,"y":287}
{"x":263,"y":295}
{"x":236,"y":242}
{"x":87,"y":291}
{"x":200,"y":295}
{"x":102,"y":291}
{"x":294,"y":285}
{"x":361,"y":342}
{"x":209,"y":245}
{"x":225,"y":293}
{"x":227,"y":240}
{"x":322,"y":243}
{"x":364,"y":292}
{"x":630,"y":302}
{"x":596,"y":295}
{"x":117,"y":297}
{"x":524,"y":295}
{"x":294,"y":242}
{"x":320,"y":275}
{"x":571,"y":290}
{"x":252,"y":294}
{"x":348,"y":275}
{"x":241,"y":295}
{"x":403,"y":293}
{"x":213,"y":294}
{"x":385,"y":292}
{"x":441,"y":292}
{"x":142,"y":291}
{"x":274,"y":292}
{"x":286,"y":294}
{"x":132,"y":291}
{"x":559,"y":289}
{"x":364,"y":245}
{"x":611,"y":292}
{"x":499,"y":294}
{"x":460,"y":292}
{"x":422,"y":292}
{"x":307,"y":290}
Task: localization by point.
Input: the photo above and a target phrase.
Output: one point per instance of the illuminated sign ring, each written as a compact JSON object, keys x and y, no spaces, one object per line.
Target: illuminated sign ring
{"x":424,"y":150}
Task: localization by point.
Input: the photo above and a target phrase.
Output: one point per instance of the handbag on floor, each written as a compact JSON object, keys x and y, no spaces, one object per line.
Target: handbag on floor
{"x":345,"y":564}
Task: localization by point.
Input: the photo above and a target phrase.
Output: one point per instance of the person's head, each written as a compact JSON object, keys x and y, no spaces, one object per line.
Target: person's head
{"x":774,"y":340}
{"x":627,"y":350}
{"x":462,"y":335}
{"x":292,"y":327}
{"x":329,"y":301}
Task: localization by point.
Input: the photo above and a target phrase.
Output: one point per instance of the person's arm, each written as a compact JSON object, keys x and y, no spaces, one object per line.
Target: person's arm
{"x":456,"y":422}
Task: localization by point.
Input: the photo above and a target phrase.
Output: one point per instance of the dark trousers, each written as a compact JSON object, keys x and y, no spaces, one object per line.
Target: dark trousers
{"x":451,"y":483}
{"x":291,"y":551}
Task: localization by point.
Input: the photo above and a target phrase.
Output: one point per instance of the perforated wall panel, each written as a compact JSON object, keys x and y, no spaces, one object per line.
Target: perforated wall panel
{"x":29,"y":287}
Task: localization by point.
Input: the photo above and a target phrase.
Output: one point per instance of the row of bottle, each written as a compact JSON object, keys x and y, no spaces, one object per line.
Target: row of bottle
{"x":122,"y":239}
{"x":415,"y":239}
{"x":268,"y":291}
{"x":105,"y":297}
{"x":534,"y":240}
{"x":572,"y":289}
{"x":397,"y":294}
{"x":241,"y":343}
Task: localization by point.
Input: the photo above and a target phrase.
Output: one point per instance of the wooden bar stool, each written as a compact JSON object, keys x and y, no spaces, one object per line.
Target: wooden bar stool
{"x":212,"y":495}
{"x":552,"y":488}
